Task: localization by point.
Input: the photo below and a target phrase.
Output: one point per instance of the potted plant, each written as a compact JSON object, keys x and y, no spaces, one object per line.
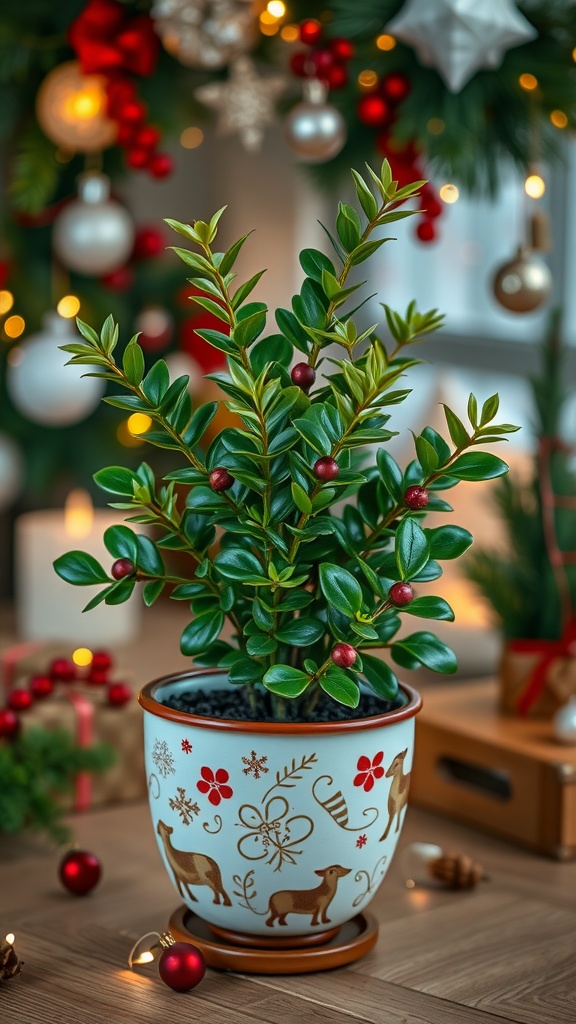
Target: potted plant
{"x":279,"y":766}
{"x":530,"y":585}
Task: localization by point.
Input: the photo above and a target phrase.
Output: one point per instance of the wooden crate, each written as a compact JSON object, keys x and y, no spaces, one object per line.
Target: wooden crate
{"x":505,"y":775}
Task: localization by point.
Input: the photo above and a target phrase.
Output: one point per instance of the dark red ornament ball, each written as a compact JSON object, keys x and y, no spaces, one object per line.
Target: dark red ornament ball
{"x":41,"y":686}
{"x":396,"y":86}
{"x":79,"y":872}
{"x":181,"y":966}
{"x":137,"y":158}
{"x":322,"y":60}
{"x":147,"y":137}
{"x":19,"y":699}
{"x":426,"y":231}
{"x":326,"y":468}
{"x":122,"y":567}
{"x":373,"y":110}
{"x":310,"y":31}
{"x":343,"y":655}
{"x":335,"y":77}
{"x":131,"y":112}
{"x":416,"y":497}
{"x":9,"y":724}
{"x":160,"y":165}
{"x":303,"y":375}
{"x":120,"y":280}
{"x":119,"y":694}
{"x":63,"y":670}
{"x":220,"y":479}
{"x":342,"y":49}
{"x":101,"y":661}
{"x":149,"y":242}
{"x":299,"y":62}
{"x":400,"y":594}
{"x":97,"y":677}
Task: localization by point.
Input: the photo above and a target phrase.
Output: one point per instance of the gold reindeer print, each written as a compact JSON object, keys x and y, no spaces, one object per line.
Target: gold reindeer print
{"x":398,"y":795}
{"x":337,"y":807}
{"x":192,"y":869}
{"x":312,"y":902}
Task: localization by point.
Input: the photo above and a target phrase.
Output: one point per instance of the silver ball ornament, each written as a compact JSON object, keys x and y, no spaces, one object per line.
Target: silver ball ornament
{"x":315,"y":130}
{"x":523,"y":284}
{"x":94,"y":234}
{"x":564,"y":723}
{"x":40,"y":384}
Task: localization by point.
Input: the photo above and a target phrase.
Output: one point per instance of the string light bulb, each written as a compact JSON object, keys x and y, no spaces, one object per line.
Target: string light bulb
{"x":276,"y":8}
{"x":290,"y":33}
{"x":82,"y":657}
{"x":191,"y":137}
{"x":69,"y":306}
{"x":535,"y":186}
{"x":528,"y":82}
{"x":145,"y":951}
{"x":385,"y":42}
{"x":448,"y":193}
{"x":6,"y":301}
{"x":14,"y":326}
{"x":139,"y":423}
{"x":367,"y":79}
{"x":559,"y":119}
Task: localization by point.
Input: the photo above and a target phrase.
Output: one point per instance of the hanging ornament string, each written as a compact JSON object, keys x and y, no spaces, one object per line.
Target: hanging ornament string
{"x":108,"y":41}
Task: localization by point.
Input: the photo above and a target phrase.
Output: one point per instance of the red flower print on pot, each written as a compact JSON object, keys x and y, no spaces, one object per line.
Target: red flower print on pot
{"x":369,"y":771}
{"x":214,"y":784}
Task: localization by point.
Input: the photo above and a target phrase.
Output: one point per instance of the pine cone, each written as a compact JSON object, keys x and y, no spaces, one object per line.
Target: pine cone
{"x":457,"y":871}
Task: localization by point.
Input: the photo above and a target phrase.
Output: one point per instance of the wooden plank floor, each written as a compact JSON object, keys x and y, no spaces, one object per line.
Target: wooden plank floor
{"x":505,"y":952}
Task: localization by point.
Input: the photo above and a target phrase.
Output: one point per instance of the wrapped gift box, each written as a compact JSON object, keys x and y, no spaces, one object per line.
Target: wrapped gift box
{"x":83,"y":710}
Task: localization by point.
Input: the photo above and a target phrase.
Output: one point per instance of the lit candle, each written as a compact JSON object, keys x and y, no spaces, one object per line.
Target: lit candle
{"x":47,"y":608}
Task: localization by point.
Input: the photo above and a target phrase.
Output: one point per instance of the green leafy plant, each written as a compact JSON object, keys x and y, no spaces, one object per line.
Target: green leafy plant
{"x":321,"y":530}
{"x":37,"y":769}
{"x":531,"y":586}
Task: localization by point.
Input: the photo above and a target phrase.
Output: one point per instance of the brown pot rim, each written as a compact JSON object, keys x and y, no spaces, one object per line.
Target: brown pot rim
{"x":147,"y":700}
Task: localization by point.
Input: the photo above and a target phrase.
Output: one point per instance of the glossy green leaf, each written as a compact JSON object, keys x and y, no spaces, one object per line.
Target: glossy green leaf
{"x":340,"y":589}
{"x":80,"y":568}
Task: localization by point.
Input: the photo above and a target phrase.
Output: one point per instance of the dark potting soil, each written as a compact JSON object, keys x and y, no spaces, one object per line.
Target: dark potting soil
{"x":233,"y":704}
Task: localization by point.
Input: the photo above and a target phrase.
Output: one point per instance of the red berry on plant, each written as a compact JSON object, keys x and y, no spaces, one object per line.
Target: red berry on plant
{"x":19,"y":700}
{"x":416,"y":497}
{"x":220,"y":479}
{"x":62,"y":670}
{"x":303,"y":375}
{"x":9,"y":724}
{"x":343,"y":655}
{"x":326,"y":468}
{"x":310,"y":31}
{"x":41,"y":686}
{"x":119,"y":694}
{"x":122,"y":567}
{"x":400,"y":594}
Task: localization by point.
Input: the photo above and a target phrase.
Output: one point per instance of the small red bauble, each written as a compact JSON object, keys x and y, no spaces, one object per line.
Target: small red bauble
{"x":9,"y":724}
{"x":342,"y":49}
{"x":79,"y":872}
{"x":343,"y":655}
{"x":122,"y":567}
{"x":97,"y":677}
{"x":147,"y":137}
{"x":119,"y":694}
{"x":125,"y":136}
{"x":132,"y":112}
{"x":101,"y":661}
{"x":326,"y":468}
{"x":63,"y":670}
{"x":373,"y":110}
{"x":41,"y":686}
{"x":148,"y":242}
{"x":426,"y":231}
{"x":396,"y":86}
{"x":322,"y":60}
{"x":310,"y":31}
{"x":298,"y":63}
{"x":400,"y":594}
{"x":20,"y":700}
{"x":181,"y":966}
{"x":220,"y":479}
{"x":335,"y":77}
{"x":137,"y":159}
{"x":160,"y":165}
{"x":303,"y":375}
{"x":416,"y":497}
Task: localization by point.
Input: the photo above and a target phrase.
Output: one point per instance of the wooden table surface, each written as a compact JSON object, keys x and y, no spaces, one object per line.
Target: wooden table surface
{"x":504,"y":952}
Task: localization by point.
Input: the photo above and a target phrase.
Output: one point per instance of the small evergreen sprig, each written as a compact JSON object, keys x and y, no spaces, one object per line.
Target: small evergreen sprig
{"x":321,"y":537}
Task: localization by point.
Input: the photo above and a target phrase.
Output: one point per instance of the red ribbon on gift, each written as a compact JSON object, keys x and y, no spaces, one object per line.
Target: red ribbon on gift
{"x":549,"y":650}
{"x":107,"y":41}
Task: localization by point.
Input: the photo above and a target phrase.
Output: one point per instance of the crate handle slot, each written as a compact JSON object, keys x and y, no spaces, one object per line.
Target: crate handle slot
{"x":489,"y":781}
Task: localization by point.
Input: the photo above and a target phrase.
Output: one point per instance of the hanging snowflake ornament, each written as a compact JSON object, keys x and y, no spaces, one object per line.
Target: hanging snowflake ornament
{"x":205,"y":33}
{"x":459,"y":37}
{"x":245,"y":102}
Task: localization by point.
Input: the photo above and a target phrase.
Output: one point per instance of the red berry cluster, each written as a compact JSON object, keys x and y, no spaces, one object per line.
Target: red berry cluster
{"x":60,"y":670}
{"x":136,"y":137}
{"x":326,"y":59}
{"x":379,"y":109}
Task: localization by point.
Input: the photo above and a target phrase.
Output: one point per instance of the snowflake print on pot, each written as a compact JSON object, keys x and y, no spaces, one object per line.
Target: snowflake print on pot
{"x":186,"y":746}
{"x":255,"y":765}
{"x":369,"y":771}
{"x":215,"y":785}
{"x":163,"y":758}
{"x":185,"y":807}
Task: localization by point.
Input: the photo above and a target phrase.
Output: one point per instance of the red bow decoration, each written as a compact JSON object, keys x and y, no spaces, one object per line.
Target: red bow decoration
{"x":107,"y":41}
{"x":549,"y":651}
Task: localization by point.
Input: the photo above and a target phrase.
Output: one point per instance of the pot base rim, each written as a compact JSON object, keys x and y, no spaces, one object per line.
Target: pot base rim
{"x":353,"y":940}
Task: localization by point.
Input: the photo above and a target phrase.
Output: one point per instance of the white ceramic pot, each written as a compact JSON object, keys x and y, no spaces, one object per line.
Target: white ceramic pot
{"x":275,"y":829}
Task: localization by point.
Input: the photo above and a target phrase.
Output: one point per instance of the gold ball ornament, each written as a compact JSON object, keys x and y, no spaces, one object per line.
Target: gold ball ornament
{"x":524,"y":283}
{"x":315,"y":130}
{"x":71,"y":109}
